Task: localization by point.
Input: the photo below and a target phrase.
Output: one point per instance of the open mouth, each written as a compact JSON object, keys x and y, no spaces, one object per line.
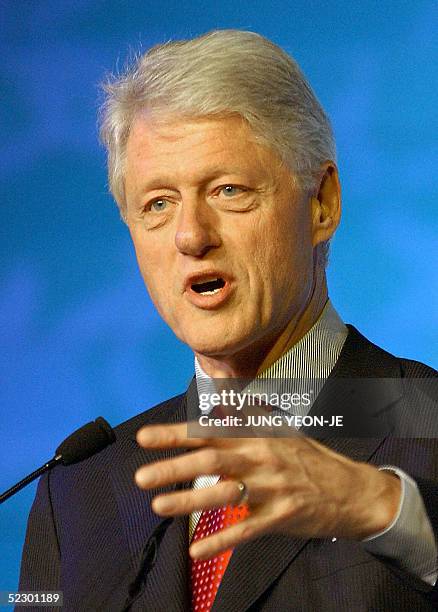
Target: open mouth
{"x":208,"y":287}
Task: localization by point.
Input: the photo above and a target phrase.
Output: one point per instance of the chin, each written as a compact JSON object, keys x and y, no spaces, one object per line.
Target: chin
{"x":215,"y":344}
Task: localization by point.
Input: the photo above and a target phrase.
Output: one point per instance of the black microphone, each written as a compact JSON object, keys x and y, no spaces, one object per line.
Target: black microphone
{"x":81,"y":444}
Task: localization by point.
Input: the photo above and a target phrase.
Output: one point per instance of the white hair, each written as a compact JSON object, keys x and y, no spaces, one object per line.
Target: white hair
{"x":224,"y":72}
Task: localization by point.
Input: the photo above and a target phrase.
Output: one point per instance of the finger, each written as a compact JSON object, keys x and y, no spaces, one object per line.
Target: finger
{"x":168,"y":436}
{"x":230,"y":537}
{"x":190,"y":465}
{"x":185,"y":502}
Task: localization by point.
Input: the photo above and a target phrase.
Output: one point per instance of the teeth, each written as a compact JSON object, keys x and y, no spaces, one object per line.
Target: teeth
{"x":209,"y":286}
{"x":210,"y":292}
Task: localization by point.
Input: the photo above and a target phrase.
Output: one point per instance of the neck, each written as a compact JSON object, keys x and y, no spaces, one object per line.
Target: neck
{"x":254,"y":359}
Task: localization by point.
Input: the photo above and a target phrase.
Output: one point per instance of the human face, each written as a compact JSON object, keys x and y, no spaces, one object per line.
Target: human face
{"x":205,"y":201}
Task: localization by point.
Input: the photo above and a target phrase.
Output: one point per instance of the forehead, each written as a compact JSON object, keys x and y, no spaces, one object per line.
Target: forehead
{"x":172,"y":128}
{"x":172,"y":143}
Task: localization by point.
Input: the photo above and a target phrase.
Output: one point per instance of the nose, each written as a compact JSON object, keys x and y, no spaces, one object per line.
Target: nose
{"x":197,"y":231}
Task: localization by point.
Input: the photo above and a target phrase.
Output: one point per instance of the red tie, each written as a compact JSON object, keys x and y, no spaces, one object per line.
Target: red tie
{"x":206,"y":575}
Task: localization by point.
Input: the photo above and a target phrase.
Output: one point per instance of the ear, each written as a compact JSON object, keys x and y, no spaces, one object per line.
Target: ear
{"x":326,"y":204}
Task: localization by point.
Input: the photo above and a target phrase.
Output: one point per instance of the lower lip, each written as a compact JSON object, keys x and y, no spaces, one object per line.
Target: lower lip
{"x":209,"y":302}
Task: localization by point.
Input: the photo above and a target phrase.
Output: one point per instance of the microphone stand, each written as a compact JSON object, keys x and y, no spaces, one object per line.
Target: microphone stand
{"x":20,"y":485}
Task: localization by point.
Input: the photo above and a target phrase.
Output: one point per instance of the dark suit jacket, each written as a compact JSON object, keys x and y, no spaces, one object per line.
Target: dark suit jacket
{"x":89,"y":523}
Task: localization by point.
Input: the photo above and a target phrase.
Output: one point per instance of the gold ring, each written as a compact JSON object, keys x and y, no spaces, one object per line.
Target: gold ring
{"x":243,"y":490}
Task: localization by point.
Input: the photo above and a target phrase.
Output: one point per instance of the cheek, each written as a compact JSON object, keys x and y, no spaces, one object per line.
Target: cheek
{"x":160,"y":292}
{"x":152,"y":266}
{"x":292,"y":235}
{"x":281,"y":256}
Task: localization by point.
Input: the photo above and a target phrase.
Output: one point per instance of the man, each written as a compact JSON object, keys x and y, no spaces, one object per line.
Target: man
{"x":223,"y":165}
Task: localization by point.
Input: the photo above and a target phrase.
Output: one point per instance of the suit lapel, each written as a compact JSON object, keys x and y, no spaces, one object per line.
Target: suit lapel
{"x":167,"y":580}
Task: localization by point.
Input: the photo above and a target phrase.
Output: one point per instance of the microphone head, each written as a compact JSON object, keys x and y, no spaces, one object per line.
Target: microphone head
{"x":86,"y":441}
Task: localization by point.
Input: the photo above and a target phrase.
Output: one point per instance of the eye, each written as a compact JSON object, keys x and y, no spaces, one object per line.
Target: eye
{"x":234,"y":198}
{"x":159,"y":205}
{"x":157,"y":211}
{"x":230,"y":190}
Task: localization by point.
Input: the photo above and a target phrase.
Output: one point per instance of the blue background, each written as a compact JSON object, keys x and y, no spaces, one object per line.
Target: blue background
{"x":79,"y":337}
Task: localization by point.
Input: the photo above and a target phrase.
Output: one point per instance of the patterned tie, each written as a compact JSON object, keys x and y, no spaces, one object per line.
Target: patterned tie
{"x":206,"y":575}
